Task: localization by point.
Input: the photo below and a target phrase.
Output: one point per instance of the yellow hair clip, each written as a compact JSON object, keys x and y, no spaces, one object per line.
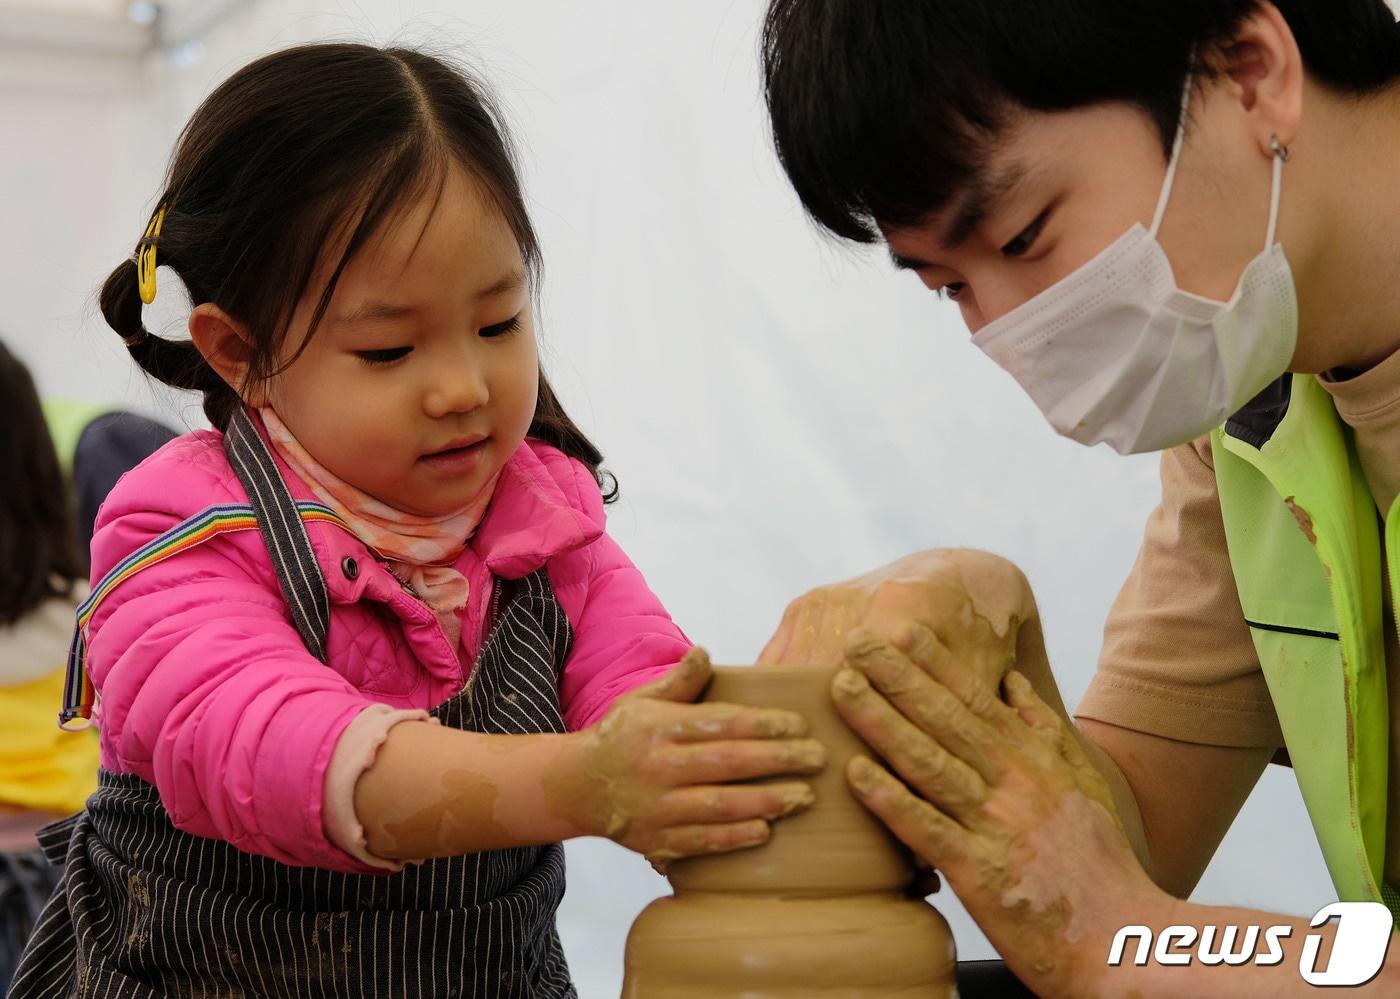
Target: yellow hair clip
{"x":146,"y":257}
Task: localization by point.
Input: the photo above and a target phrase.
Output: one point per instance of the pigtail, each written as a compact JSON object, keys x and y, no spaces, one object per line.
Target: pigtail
{"x":120,"y":301}
{"x":177,"y":363}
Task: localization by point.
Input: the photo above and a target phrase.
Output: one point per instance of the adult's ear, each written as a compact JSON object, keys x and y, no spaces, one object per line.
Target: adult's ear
{"x":1264,"y":72}
{"x":227,"y":347}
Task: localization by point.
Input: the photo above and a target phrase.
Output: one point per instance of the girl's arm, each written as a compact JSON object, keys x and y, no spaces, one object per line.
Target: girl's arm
{"x":644,"y":768}
{"x":207,"y":692}
{"x":651,"y":775}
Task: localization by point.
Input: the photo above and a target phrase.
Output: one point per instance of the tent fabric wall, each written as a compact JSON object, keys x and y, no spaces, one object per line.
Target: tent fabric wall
{"x":780,"y":410}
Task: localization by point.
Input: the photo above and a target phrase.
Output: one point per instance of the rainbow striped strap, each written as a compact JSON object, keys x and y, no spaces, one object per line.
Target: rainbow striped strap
{"x":78,"y":693}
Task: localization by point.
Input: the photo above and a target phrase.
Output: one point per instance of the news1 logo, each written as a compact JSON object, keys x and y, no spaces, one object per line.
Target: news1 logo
{"x":1358,"y":949}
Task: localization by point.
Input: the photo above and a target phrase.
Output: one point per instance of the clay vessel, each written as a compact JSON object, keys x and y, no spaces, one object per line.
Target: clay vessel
{"x":818,"y":912}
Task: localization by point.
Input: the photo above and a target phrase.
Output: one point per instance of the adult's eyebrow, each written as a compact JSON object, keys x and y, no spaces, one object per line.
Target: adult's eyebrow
{"x":969,"y":209}
{"x":907,"y":263}
{"x":982,"y":197}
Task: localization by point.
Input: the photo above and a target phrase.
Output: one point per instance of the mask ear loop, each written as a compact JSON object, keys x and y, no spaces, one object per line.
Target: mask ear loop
{"x":1281,"y":155}
{"x":1175,"y":159}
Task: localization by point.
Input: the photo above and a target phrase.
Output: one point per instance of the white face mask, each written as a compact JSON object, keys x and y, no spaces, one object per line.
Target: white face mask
{"x":1116,"y":352}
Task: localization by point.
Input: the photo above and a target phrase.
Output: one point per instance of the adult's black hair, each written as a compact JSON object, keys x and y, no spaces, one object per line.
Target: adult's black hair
{"x":38,"y":547}
{"x":882,"y":110}
{"x":293,"y":153}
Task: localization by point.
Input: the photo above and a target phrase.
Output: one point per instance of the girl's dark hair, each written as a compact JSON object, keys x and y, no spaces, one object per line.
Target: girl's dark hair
{"x":883,"y":111}
{"x":293,"y":151}
{"x":38,"y":545}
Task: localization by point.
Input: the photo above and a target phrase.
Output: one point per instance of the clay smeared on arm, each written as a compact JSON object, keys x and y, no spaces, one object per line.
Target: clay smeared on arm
{"x":436,"y":792}
{"x":654,"y":775}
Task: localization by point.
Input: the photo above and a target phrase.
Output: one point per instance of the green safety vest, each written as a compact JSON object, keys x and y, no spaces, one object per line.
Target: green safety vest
{"x":1304,"y":542}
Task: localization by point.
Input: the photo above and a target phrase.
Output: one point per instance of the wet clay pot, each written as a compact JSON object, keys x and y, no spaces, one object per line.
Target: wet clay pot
{"x":818,"y":912}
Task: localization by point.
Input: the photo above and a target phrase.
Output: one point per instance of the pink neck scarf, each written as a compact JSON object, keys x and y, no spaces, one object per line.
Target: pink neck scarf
{"x":419,"y":549}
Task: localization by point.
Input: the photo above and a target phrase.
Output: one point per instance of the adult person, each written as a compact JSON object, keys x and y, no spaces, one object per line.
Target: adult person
{"x":1178,"y":226}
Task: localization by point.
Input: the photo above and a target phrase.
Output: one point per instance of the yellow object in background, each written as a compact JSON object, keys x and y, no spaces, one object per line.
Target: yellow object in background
{"x":41,"y":766}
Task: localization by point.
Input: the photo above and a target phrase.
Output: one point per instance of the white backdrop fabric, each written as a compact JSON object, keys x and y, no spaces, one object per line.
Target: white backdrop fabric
{"x":781,"y":411}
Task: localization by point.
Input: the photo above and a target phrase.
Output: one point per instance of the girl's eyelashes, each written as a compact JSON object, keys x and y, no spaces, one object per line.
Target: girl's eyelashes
{"x":951,"y":291}
{"x":391,"y":354}
{"x":386,"y":356}
{"x":502,"y":329}
{"x":1026,"y":238}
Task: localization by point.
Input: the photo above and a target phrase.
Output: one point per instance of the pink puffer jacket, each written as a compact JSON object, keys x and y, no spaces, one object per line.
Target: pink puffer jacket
{"x":207,"y":692}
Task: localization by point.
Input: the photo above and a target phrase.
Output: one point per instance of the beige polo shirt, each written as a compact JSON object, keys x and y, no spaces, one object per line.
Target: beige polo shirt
{"x":1177,"y":657}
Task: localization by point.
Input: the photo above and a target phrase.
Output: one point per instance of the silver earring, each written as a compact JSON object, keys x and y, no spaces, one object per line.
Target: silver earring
{"x":1280,"y":150}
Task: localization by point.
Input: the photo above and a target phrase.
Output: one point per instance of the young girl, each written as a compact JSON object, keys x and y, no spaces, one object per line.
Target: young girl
{"x":361,"y":653}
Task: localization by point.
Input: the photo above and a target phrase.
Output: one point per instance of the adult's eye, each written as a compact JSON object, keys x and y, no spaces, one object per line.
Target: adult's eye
{"x":1026,"y":238}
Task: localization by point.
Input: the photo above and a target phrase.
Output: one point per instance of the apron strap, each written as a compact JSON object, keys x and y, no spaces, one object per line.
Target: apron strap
{"x":280,"y":523}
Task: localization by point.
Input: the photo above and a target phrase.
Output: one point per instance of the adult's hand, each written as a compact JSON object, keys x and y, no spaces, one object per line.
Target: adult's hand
{"x":968,"y":614}
{"x":1000,"y":798}
{"x":975,"y":604}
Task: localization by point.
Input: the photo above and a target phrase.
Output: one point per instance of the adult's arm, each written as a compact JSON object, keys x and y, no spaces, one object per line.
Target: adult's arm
{"x":1179,"y":702}
{"x":1186,"y":794}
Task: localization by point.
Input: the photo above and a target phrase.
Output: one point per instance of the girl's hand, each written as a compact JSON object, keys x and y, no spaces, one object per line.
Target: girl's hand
{"x":659,"y":769}
{"x":999,"y":797}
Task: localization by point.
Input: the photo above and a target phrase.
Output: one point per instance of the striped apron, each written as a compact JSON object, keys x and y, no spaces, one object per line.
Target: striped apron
{"x":145,"y":910}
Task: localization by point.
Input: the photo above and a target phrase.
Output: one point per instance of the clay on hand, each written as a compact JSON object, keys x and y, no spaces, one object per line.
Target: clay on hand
{"x":999,"y":796}
{"x":973,"y":603}
{"x":660,"y":769}
{"x":822,"y":908}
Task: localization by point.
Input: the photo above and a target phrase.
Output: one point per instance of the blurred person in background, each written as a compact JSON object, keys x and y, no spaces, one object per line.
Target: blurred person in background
{"x":96,"y":445}
{"x":45,"y":773}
